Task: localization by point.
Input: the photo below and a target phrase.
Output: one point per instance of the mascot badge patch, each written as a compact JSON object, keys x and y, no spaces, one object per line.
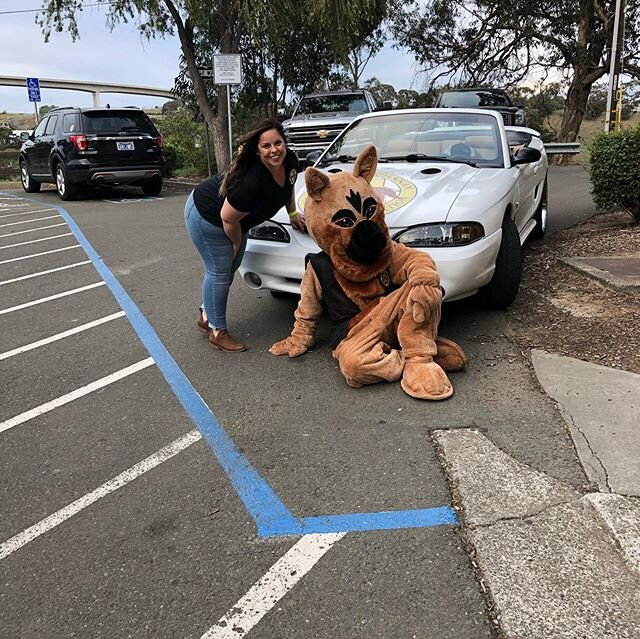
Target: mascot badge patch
{"x":383,"y":298}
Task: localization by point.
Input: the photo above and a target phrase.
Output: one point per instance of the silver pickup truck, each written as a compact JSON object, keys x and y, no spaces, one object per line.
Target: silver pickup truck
{"x":319,"y":117}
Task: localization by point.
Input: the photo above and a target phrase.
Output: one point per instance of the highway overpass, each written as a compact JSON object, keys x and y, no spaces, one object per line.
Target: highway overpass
{"x":95,"y":88}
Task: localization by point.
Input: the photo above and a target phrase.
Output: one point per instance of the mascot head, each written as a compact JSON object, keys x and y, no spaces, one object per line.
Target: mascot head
{"x":346,"y":218}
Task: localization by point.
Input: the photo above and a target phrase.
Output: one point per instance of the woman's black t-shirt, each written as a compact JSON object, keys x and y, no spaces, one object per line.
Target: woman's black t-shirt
{"x":256,"y":193}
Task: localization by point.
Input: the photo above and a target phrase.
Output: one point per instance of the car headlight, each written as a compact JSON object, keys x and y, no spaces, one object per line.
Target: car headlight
{"x":520,"y":118}
{"x":441,"y":235}
{"x":270,"y":232}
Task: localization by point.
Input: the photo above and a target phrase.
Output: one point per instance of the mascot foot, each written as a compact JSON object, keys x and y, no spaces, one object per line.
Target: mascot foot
{"x":426,"y":380}
{"x":450,"y":356}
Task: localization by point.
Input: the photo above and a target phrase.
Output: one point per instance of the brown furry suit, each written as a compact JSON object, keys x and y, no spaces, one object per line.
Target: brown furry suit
{"x":383,"y":298}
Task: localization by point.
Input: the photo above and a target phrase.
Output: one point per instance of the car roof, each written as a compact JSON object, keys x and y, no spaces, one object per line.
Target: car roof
{"x":91,"y":109}
{"x":488,"y":89}
{"x":341,"y":92}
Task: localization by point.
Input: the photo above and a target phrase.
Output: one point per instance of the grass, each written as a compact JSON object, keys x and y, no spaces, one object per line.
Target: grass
{"x":588,"y":131}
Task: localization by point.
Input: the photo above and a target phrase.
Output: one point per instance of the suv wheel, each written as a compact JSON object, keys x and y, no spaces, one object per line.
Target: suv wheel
{"x":28,"y":183}
{"x":66,"y":190}
{"x":152,"y":186}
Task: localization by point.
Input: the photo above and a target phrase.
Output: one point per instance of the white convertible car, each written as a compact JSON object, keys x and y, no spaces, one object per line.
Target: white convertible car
{"x":455,"y":182}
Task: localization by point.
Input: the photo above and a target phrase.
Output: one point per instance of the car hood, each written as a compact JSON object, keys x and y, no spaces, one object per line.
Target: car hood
{"x":413,"y":192}
{"x":335,"y":117}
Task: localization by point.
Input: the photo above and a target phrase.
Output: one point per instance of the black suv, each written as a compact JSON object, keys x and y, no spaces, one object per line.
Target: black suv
{"x":73,"y":147}
{"x":494,"y":99}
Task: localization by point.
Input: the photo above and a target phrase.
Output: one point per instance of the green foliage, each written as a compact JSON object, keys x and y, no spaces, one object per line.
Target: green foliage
{"x":615,"y":171}
{"x":184,"y":141}
{"x":45,"y":108}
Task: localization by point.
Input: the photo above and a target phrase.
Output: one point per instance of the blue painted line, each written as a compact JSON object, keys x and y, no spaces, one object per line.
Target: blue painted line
{"x":271,"y":516}
{"x":264,"y":506}
{"x":439,"y":516}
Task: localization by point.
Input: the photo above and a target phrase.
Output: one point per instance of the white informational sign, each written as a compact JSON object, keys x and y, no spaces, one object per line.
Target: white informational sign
{"x":227,"y":68}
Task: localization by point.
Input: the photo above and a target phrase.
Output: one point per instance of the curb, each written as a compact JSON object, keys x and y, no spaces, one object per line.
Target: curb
{"x":627,"y":283}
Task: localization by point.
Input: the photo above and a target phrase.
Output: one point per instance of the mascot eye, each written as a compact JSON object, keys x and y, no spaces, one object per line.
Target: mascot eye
{"x":369,"y":208}
{"x":344,"y":218}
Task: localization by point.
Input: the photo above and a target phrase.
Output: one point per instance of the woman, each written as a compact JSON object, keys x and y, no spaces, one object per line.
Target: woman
{"x":221,"y":210}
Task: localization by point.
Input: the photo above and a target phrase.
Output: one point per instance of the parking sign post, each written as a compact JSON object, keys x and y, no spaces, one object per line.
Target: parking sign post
{"x":227,"y":69}
{"x":33,"y":89}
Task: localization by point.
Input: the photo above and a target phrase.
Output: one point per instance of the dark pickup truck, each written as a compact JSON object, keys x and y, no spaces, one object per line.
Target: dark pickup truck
{"x":495,"y":99}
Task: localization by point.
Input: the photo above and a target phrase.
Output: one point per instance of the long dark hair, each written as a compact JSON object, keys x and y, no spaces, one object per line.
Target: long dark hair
{"x":247,"y":153}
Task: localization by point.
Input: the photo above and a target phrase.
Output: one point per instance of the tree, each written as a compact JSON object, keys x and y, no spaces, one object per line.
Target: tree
{"x":45,"y":108}
{"x":381,"y":92}
{"x":501,"y":42}
{"x":207,"y":26}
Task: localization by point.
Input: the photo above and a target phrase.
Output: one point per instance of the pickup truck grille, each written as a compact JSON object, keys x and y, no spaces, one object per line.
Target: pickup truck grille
{"x":315,"y":135}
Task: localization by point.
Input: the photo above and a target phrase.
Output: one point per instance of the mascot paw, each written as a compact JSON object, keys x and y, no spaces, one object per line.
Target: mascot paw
{"x":450,"y":356}
{"x":426,"y":380}
{"x":287,"y":347}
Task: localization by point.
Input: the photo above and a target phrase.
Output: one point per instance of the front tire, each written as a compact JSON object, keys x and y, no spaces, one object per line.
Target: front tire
{"x":152,"y":187}
{"x":541,"y":214}
{"x":28,"y":183}
{"x":66,"y":190}
{"x":500,"y":292}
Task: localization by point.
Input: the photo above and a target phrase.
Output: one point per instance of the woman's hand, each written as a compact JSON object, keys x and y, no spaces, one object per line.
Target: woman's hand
{"x":298,"y":223}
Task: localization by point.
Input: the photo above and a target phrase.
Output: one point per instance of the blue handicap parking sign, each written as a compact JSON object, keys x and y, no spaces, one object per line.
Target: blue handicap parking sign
{"x":33,"y":89}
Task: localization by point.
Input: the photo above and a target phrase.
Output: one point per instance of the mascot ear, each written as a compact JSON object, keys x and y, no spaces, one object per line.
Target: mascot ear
{"x":316,"y":182}
{"x":366,"y":163}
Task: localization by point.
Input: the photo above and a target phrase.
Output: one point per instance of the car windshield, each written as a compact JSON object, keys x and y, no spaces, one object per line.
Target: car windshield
{"x":472,"y":99}
{"x":422,"y":137}
{"x":353,"y":103}
{"x":111,"y":121}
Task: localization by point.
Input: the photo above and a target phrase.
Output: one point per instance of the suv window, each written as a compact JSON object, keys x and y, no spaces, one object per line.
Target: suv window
{"x":473,"y":99}
{"x":51,"y":125}
{"x":116,"y":122}
{"x":40,"y":128}
{"x":353,"y":103}
{"x":70,"y":123}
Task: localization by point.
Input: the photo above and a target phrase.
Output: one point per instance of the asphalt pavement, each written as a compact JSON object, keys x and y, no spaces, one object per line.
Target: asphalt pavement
{"x":152,"y":487}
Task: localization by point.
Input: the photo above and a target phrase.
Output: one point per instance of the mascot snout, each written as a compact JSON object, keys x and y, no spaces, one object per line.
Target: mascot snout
{"x":367,"y":243}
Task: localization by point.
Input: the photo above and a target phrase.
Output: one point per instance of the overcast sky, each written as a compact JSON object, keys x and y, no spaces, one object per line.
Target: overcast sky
{"x":121,"y":57}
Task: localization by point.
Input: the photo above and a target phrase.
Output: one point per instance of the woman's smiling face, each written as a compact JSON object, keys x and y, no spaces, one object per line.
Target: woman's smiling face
{"x":271,"y":148}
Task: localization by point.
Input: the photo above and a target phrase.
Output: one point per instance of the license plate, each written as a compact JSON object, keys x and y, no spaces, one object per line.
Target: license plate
{"x":124,"y":146}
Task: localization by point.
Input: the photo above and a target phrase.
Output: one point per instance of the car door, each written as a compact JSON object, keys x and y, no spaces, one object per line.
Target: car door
{"x":528,"y":176}
{"x":45,"y":145}
{"x":32,"y":149}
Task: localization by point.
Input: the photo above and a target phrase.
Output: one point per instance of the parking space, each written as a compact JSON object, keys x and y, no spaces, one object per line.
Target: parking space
{"x":171,"y":491}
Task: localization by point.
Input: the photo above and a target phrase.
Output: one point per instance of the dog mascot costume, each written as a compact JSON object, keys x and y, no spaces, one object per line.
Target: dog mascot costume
{"x":383,"y":298}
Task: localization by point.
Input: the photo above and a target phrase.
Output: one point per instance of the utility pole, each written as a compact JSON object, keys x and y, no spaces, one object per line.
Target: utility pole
{"x":616,"y":66}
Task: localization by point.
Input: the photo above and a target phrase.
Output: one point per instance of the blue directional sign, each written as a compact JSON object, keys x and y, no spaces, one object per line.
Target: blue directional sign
{"x":33,"y":89}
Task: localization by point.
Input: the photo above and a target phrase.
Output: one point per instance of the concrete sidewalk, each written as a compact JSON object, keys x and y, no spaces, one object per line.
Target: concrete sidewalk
{"x":557,"y":564}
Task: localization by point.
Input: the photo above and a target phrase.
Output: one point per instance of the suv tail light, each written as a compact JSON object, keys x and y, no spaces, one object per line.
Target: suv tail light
{"x":159,"y":141}
{"x":79,"y":142}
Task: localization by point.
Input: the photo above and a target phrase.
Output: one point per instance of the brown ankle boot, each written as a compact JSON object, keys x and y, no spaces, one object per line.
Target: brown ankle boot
{"x":224,"y":342}
{"x":202,"y":324}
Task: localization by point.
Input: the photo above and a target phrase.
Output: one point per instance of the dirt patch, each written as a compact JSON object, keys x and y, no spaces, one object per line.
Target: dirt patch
{"x":564,"y":311}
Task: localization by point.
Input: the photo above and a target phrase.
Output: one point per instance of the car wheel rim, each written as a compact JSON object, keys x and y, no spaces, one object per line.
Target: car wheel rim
{"x":60,"y":181}
{"x":25,"y":175}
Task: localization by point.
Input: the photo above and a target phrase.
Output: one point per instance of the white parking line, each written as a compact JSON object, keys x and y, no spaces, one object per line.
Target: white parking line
{"x":42,"y":239}
{"x":59,"y":336}
{"x":26,"y":213}
{"x":38,"y":219}
{"x":79,"y":392}
{"x":28,"y":257}
{"x":57,"y":296}
{"x":40,"y":228}
{"x":272,"y":586}
{"x":39,"y":273}
{"x":33,"y":532}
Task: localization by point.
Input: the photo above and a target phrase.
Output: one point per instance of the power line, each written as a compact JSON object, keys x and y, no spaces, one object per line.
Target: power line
{"x":3,"y":13}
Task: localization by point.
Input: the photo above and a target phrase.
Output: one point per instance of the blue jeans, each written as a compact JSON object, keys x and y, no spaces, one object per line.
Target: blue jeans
{"x":216,"y":251}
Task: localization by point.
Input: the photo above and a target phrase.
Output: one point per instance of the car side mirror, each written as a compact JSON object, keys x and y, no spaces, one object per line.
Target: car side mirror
{"x":387,"y":105}
{"x":313,"y":157}
{"x":520,"y":104}
{"x":25,"y":135}
{"x":527,"y":155}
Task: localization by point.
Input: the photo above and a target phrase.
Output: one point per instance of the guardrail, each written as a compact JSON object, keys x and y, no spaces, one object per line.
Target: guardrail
{"x":568,"y":148}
